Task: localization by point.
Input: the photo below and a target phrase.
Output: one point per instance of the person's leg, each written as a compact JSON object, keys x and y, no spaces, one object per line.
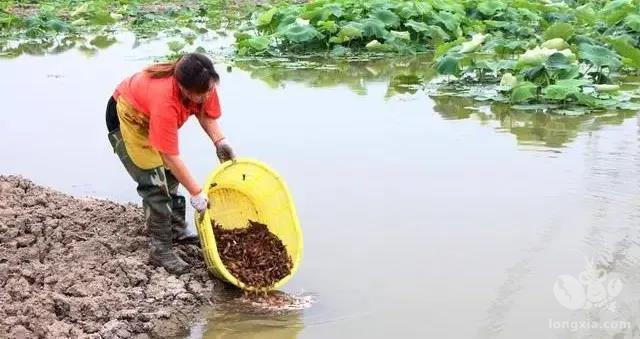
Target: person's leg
{"x":179,"y":213}
{"x":156,"y":200}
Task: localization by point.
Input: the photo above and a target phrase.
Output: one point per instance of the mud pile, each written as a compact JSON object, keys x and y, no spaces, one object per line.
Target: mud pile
{"x":79,"y":268}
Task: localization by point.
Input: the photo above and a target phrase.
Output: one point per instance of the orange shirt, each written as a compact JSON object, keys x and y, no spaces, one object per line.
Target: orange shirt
{"x":160,"y":101}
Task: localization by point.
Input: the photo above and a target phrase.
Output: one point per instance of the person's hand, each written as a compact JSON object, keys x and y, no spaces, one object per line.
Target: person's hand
{"x":200,"y":202}
{"x":224,"y":150}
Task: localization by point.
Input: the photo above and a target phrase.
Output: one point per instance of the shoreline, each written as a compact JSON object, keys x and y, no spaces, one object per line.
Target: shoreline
{"x":78,"y":267}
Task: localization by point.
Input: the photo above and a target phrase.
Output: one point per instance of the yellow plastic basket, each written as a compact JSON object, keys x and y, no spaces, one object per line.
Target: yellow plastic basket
{"x":243,"y":190}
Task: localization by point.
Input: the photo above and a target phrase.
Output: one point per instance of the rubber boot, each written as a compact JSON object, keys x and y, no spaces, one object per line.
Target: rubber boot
{"x":179,"y":225}
{"x":162,"y":253}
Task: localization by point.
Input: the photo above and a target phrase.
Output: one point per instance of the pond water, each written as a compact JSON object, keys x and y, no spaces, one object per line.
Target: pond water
{"x":423,"y":216}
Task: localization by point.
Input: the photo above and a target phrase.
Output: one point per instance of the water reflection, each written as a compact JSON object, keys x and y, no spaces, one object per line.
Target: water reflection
{"x":403,"y":75}
{"x":87,"y":44}
{"x":530,"y":128}
{"x":407,"y":76}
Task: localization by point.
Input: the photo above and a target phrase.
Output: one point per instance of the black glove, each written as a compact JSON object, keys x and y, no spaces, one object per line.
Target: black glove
{"x":224,"y":151}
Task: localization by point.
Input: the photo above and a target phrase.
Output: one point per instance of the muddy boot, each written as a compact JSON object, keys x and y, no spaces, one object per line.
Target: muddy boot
{"x":183,"y":236}
{"x":179,"y":230}
{"x":166,"y":258}
{"x":161,"y":250}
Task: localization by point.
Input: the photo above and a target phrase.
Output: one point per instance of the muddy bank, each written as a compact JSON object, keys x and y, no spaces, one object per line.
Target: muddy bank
{"x":74,"y":267}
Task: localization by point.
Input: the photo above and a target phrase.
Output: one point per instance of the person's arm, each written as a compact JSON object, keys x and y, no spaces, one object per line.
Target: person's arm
{"x":180,"y":171}
{"x":211,"y":127}
{"x":214,"y":131}
{"x":198,"y":199}
{"x":163,"y":136}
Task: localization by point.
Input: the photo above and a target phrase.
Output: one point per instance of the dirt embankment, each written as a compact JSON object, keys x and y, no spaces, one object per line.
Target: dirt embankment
{"x":78,"y":268}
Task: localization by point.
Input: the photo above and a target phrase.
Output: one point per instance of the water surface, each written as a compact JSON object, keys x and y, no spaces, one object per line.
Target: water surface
{"x":423,"y":216}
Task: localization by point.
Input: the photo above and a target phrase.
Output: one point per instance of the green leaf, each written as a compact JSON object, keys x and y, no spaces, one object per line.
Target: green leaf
{"x":325,"y":12}
{"x":283,"y":22}
{"x":557,"y":61}
{"x":387,"y":17}
{"x":616,"y":10}
{"x":57,"y":25}
{"x":633,"y":21}
{"x":593,"y":102}
{"x":448,"y":20}
{"x":265,"y":18}
{"x":253,"y":45}
{"x":491,"y":7}
{"x":487,"y":65}
{"x":101,"y":17}
{"x":33,"y":22}
{"x":437,"y":34}
{"x":583,"y":39}
{"x":559,"y":30}
{"x":555,"y":43}
{"x":535,"y":73}
{"x":523,"y":92}
{"x":586,"y":15}
{"x":422,"y":8}
{"x":347,"y":33}
{"x":534,"y":57}
{"x":401,"y":35}
{"x":373,"y":28}
{"x":299,"y":33}
{"x":529,"y":15}
{"x":328,"y":26}
{"x":569,"y":73}
{"x":573,"y":82}
{"x":80,"y":10}
{"x":504,"y":46}
{"x":626,"y":50}
{"x":586,"y":100}
{"x":448,"y":5}
{"x":412,"y":9}
{"x":176,"y":45}
{"x":507,"y":64}
{"x":418,"y":27}
{"x":376,"y":46}
{"x":7,"y":20}
{"x":508,"y":81}
{"x":599,"y":56}
{"x":406,"y":11}
{"x":239,"y":36}
{"x":562,"y":89}
{"x":442,"y":49}
{"x":448,"y":65}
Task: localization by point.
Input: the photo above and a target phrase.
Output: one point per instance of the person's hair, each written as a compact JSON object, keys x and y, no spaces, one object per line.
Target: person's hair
{"x":193,"y":71}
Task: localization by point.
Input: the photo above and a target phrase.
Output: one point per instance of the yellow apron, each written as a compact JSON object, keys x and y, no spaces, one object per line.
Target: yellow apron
{"x":134,"y":126}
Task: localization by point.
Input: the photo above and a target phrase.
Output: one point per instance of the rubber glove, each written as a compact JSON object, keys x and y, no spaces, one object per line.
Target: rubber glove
{"x":199,"y":202}
{"x":224,"y":150}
